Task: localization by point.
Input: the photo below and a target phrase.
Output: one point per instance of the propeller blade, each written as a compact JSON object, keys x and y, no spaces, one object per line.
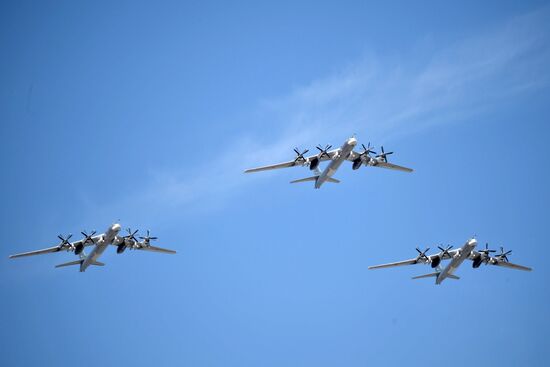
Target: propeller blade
{"x":323,"y":151}
{"x":131,"y":235}
{"x":148,"y":237}
{"x":422,"y":254}
{"x":299,"y":156}
{"x":64,"y":241}
{"x":88,"y":237}
{"x":367,"y":150}
{"x":384,"y":155}
{"x":504,"y":255}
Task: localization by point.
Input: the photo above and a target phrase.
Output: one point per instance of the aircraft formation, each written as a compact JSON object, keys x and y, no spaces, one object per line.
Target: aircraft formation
{"x":335,"y":157}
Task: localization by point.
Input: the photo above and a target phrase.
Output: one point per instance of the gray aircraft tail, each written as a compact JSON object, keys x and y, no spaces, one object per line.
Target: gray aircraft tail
{"x":314,"y":178}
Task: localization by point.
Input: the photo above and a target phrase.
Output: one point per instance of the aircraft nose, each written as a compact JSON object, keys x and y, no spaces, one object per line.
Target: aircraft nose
{"x":116,"y":227}
{"x":352,"y":141}
{"x":473,"y":242}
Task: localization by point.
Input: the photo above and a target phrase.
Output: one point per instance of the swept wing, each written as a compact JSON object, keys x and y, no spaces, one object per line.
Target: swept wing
{"x":417,"y":260}
{"x":375,"y":162}
{"x":398,"y":263}
{"x":156,"y":249}
{"x":294,"y":163}
{"x":509,"y":265}
{"x":396,"y":167}
{"x":37,"y":252}
{"x":57,"y":248}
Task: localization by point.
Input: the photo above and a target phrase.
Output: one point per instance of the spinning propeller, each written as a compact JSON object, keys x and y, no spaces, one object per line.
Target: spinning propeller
{"x":323,"y":151}
{"x":65,"y":242}
{"x":384,"y":155}
{"x":88,"y":237}
{"x":299,"y":156}
{"x":502,"y":255}
{"x":148,"y":238}
{"x":486,"y":251}
{"x":131,"y":235}
{"x":367,"y":150}
{"x":445,"y":251}
{"x":422,"y":254}
{"x":361,"y":158}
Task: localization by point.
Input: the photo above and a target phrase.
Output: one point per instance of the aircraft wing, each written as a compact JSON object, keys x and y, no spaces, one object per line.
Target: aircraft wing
{"x":157,"y":249}
{"x":379,"y":163}
{"x":304,"y":162}
{"x":509,"y":265}
{"x":398,"y":263}
{"x":273,"y":166}
{"x":392,"y":166}
{"x":56,"y":248}
{"x":416,"y":260}
{"x":37,"y":252}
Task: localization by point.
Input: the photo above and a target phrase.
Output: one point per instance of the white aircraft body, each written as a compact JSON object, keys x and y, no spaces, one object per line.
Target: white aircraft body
{"x":100,"y":243}
{"x":336,"y":157}
{"x":457,"y":257}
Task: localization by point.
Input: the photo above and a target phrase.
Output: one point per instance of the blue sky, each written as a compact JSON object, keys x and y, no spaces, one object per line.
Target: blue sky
{"x":148,"y":113}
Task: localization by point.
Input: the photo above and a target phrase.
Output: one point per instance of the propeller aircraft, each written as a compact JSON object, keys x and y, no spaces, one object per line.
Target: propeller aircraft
{"x":336,"y":158}
{"x":99,"y":242}
{"x":457,"y":257}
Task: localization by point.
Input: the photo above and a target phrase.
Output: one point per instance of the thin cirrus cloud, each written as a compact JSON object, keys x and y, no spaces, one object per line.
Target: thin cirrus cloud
{"x":374,"y":97}
{"x":382,"y":97}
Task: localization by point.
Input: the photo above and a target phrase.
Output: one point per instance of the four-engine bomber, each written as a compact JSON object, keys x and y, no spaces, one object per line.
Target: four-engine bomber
{"x":100,"y":242}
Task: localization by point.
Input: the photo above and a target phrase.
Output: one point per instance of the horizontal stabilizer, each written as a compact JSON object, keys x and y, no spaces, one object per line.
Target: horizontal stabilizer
{"x":312,"y":178}
{"x":426,"y":275}
{"x":76,"y":262}
{"x":451,"y":276}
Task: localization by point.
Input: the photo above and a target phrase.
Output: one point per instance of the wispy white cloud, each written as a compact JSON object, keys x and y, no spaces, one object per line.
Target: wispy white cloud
{"x":375,"y":98}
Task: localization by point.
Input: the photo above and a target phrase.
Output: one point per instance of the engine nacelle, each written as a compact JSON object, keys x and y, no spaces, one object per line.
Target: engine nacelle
{"x":78,"y":249}
{"x":357,"y":163}
{"x":435,"y":261}
{"x":314,"y":164}
{"x":477,"y":262}
{"x":120,"y":248}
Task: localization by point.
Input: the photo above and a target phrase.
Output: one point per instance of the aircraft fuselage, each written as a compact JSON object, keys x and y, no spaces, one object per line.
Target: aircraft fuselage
{"x":456,"y":261}
{"x":336,"y":162}
{"x":100,"y":246}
